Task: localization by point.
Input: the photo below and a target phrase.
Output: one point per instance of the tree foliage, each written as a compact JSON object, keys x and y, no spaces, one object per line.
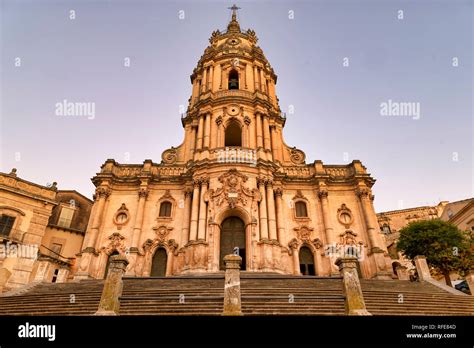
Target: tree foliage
{"x":445,"y":247}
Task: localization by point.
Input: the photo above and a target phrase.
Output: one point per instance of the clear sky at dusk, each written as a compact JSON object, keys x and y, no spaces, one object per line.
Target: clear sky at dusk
{"x":336,"y":115}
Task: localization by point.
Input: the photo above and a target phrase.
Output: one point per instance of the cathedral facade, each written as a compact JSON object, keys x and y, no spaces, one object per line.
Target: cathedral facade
{"x":233,"y":186}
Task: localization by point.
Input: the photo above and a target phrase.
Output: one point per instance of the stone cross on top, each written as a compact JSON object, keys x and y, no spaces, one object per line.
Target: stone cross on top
{"x":234,"y":9}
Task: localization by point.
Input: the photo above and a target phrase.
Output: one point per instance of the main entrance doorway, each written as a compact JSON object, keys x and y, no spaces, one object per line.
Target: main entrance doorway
{"x":232,"y":235}
{"x":306,"y":262}
{"x":158,"y":265}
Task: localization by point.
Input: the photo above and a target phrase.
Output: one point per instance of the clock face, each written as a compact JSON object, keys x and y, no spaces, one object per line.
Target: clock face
{"x":121,"y":218}
{"x":233,"y":110}
{"x":345,"y":218}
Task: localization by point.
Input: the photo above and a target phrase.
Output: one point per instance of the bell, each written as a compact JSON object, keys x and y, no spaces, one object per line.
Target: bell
{"x":233,"y":84}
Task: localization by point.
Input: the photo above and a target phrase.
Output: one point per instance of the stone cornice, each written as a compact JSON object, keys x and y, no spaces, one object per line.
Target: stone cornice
{"x":20,"y":186}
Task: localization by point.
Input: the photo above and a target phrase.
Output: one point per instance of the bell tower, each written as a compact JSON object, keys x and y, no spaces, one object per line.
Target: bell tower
{"x":233,"y":101}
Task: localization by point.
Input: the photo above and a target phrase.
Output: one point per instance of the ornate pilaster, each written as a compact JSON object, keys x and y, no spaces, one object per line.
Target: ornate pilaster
{"x":194,"y":212}
{"x":188,"y":193}
{"x":137,"y":230}
{"x":279,"y":212}
{"x":202,"y":210}
{"x":258,"y":119}
{"x":266,"y":133}
{"x":207,"y":130}
{"x":364,"y":196}
{"x":272,"y":229}
{"x":263,"y":210}
{"x":101,"y":195}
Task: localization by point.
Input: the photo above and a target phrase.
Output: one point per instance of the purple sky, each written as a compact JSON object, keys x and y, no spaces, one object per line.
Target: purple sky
{"x":337,"y":108}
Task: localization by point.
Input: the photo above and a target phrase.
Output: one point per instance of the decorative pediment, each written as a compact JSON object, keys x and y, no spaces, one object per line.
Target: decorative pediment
{"x":349,"y":238}
{"x":167,"y":197}
{"x":233,"y":190}
{"x":150,"y":246}
{"x":162,"y":231}
{"x":299,"y":196}
{"x":116,"y":242}
{"x":304,"y":232}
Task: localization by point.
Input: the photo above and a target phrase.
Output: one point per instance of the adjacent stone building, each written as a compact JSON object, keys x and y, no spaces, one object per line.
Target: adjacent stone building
{"x":460,"y":213}
{"x":41,"y":231}
{"x":233,"y":184}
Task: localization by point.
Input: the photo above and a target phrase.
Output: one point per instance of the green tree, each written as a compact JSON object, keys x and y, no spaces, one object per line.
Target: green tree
{"x":445,"y":247}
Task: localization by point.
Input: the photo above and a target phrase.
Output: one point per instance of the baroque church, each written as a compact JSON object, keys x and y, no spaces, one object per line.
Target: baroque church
{"x":232,"y":186}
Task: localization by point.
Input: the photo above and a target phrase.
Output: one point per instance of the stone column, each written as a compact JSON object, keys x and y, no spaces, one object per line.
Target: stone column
{"x":275,"y":145}
{"x":263,"y":210}
{"x":63,"y":273}
{"x":200,"y":132}
{"x":266,"y":133}
{"x":222,"y":77}
{"x":137,"y":228}
{"x":295,"y":254}
{"x":194,"y":212}
{"x":204,"y":80}
{"x":187,"y":213}
{"x":101,"y":194}
{"x":262,"y":81}
{"x":402,"y":273}
{"x":202,"y":211}
{"x":252,"y":135}
{"x":243,"y":78}
{"x":279,"y":212}
{"x":110,"y":299}
{"x":211,"y":78}
{"x":355,"y":304}
{"x":323,"y":196}
{"x":219,"y":132}
{"x":271,"y":211}
{"x":213,"y":133}
{"x":258,"y":119}
{"x":255,"y":77}
{"x":207,"y":130}
{"x":363,"y":194}
{"x":422,"y":268}
{"x":192,"y":141}
{"x":232,"y":299}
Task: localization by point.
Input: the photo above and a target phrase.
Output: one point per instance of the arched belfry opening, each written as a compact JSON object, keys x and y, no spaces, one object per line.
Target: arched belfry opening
{"x":233,"y":79}
{"x":232,"y":235}
{"x":306,"y":262}
{"x":158,"y":265}
{"x":233,"y":134}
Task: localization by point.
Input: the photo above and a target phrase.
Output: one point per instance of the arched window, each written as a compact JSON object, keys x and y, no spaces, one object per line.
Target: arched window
{"x":165,"y":209}
{"x":233,"y":80}
{"x":233,"y":134}
{"x":301,"y":210}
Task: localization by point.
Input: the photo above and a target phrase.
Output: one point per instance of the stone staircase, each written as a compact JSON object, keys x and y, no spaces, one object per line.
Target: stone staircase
{"x":262,"y":294}
{"x":383,"y":297}
{"x":291,"y":295}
